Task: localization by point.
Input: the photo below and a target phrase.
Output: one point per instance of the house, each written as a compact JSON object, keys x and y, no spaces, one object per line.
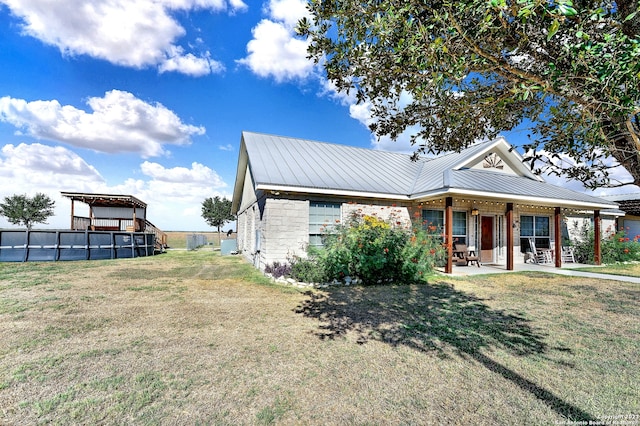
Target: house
{"x":630,"y":204}
{"x":287,"y":191}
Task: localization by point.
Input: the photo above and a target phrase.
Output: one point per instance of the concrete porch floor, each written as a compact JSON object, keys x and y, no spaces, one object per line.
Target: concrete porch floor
{"x":567,"y":269}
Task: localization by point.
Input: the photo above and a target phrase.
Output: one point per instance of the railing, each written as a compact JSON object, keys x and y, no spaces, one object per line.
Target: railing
{"x":81,"y":223}
{"x":161,"y":237}
{"x":106,"y":224}
{"x":46,"y":245}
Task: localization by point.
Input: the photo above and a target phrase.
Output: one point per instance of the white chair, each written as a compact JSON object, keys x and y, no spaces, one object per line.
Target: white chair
{"x":567,"y":255}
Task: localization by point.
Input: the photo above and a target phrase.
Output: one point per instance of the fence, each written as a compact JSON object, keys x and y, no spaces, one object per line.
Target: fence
{"x":50,"y":245}
{"x":196,"y":240}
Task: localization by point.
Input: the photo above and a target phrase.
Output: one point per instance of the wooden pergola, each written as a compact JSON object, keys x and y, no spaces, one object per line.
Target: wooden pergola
{"x":112,"y":222}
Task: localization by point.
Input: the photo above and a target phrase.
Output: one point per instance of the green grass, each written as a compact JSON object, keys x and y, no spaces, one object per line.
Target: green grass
{"x":624,"y":269}
{"x":197,"y":338}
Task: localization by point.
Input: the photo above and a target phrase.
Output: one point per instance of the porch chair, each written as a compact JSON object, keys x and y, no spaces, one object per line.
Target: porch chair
{"x":567,"y":255}
{"x":467,"y":255}
{"x":540,"y":255}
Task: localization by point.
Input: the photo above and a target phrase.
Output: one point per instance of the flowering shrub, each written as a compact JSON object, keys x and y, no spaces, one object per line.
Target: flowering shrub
{"x":620,"y":248}
{"x":278,"y":269}
{"x":378,"y":251}
{"x":617,"y":247}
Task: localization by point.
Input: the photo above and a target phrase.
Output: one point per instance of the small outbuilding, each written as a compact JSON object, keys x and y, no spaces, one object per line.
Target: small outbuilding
{"x":113,"y":212}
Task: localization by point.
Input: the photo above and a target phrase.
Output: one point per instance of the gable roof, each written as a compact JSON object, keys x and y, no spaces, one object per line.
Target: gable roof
{"x":280,"y":163}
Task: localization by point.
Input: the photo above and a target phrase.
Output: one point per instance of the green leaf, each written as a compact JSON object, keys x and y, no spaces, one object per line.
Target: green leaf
{"x":553,"y":29}
{"x":566,"y":8}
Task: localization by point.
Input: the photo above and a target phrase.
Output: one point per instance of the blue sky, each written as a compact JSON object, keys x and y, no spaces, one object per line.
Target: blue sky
{"x":149,"y":98}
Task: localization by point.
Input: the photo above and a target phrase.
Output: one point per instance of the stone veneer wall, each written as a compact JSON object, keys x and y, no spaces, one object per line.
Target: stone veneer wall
{"x":285,"y":230}
{"x":284,"y":226}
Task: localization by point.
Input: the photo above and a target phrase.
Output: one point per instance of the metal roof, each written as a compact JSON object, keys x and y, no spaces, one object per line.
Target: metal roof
{"x":105,"y":200}
{"x":629,"y":202}
{"x":309,"y":166}
{"x":291,"y":162}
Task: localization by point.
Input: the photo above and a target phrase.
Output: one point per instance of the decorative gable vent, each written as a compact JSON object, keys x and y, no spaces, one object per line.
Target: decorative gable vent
{"x":493,"y":161}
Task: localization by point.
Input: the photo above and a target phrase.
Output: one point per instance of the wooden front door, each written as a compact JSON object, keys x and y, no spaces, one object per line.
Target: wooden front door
{"x":486,"y":239}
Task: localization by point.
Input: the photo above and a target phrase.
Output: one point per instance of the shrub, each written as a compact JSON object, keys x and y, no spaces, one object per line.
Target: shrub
{"x":278,"y":269}
{"x":617,"y":247}
{"x":376,"y":251}
{"x":310,"y":270}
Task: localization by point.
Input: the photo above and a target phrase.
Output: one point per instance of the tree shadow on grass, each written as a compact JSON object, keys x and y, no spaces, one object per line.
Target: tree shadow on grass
{"x":434,"y":318}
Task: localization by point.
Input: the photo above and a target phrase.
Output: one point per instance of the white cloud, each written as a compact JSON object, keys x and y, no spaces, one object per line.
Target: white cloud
{"x":31,"y":168}
{"x":120,"y":122}
{"x":174,"y":195}
{"x":190,"y":64}
{"x":135,"y":34}
{"x":198,"y":173}
{"x":227,"y":147}
{"x":275,"y":51}
{"x":288,"y":11}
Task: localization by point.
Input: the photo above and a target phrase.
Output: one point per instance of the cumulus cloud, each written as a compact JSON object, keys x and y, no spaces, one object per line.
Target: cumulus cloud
{"x":135,"y":34}
{"x":31,"y":168}
{"x":198,"y":173}
{"x":119,"y":122}
{"x":174,"y":194}
{"x":275,"y":51}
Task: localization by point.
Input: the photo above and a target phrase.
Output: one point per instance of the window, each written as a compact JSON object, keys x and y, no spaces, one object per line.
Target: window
{"x":433,"y":218}
{"x":460,"y":227}
{"x":536,"y":228}
{"x":322,"y":217}
{"x":436,"y":218}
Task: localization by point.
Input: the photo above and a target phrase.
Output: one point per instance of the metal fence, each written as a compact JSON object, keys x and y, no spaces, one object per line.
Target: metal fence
{"x":196,"y":240}
{"x":51,"y":245}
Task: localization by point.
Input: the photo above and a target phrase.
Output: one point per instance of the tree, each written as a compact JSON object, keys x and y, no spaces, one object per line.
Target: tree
{"x":216,"y":212}
{"x":464,"y":71}
{"x":24,"y":210}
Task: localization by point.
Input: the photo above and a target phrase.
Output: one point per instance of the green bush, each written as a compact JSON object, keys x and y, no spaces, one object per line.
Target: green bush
{"x":377,"y":251}
{"x":617,"y":247}
{"x":308,"y":270}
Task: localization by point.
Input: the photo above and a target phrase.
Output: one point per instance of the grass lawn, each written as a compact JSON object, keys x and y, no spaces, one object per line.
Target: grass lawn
{"x":628,"y":269}
{"x":195,"y":338}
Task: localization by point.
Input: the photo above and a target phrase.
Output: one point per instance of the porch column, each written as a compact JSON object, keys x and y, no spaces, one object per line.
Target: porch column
{"x":597,"y":253}
{"x":72,"y":214}
{"x":509,"y":236}
{"x":558,"y":232}
{"x":448,"y":234}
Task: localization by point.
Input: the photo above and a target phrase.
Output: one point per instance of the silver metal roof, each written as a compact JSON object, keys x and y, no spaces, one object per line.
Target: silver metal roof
{"x":284,"y":162}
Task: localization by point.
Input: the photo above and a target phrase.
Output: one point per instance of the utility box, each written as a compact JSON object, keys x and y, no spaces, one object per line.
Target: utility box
{"x":228,"y":247}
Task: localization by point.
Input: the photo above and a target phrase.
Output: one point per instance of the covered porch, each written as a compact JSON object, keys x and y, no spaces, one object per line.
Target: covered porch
{"x":509,"y":234}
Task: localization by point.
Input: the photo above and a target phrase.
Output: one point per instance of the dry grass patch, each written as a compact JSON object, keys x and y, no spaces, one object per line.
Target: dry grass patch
{"x":196,"y":338}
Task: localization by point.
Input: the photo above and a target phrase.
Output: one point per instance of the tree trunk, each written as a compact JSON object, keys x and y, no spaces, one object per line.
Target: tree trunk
{"x":624,"y":145}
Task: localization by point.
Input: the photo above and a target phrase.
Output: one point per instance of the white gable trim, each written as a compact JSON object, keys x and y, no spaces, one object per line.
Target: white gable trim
{"x":506,"y":152}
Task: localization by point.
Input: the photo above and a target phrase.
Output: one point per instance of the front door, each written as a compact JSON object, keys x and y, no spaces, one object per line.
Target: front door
{"x":486,"y":239}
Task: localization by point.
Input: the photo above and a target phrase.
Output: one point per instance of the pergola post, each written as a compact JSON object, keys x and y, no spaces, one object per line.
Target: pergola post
{"x":558,"y":232}
{"x":72,"y":214}
{"x":448,"y":234}
{"x":597,"y":251}
{"x":509,"y":236}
